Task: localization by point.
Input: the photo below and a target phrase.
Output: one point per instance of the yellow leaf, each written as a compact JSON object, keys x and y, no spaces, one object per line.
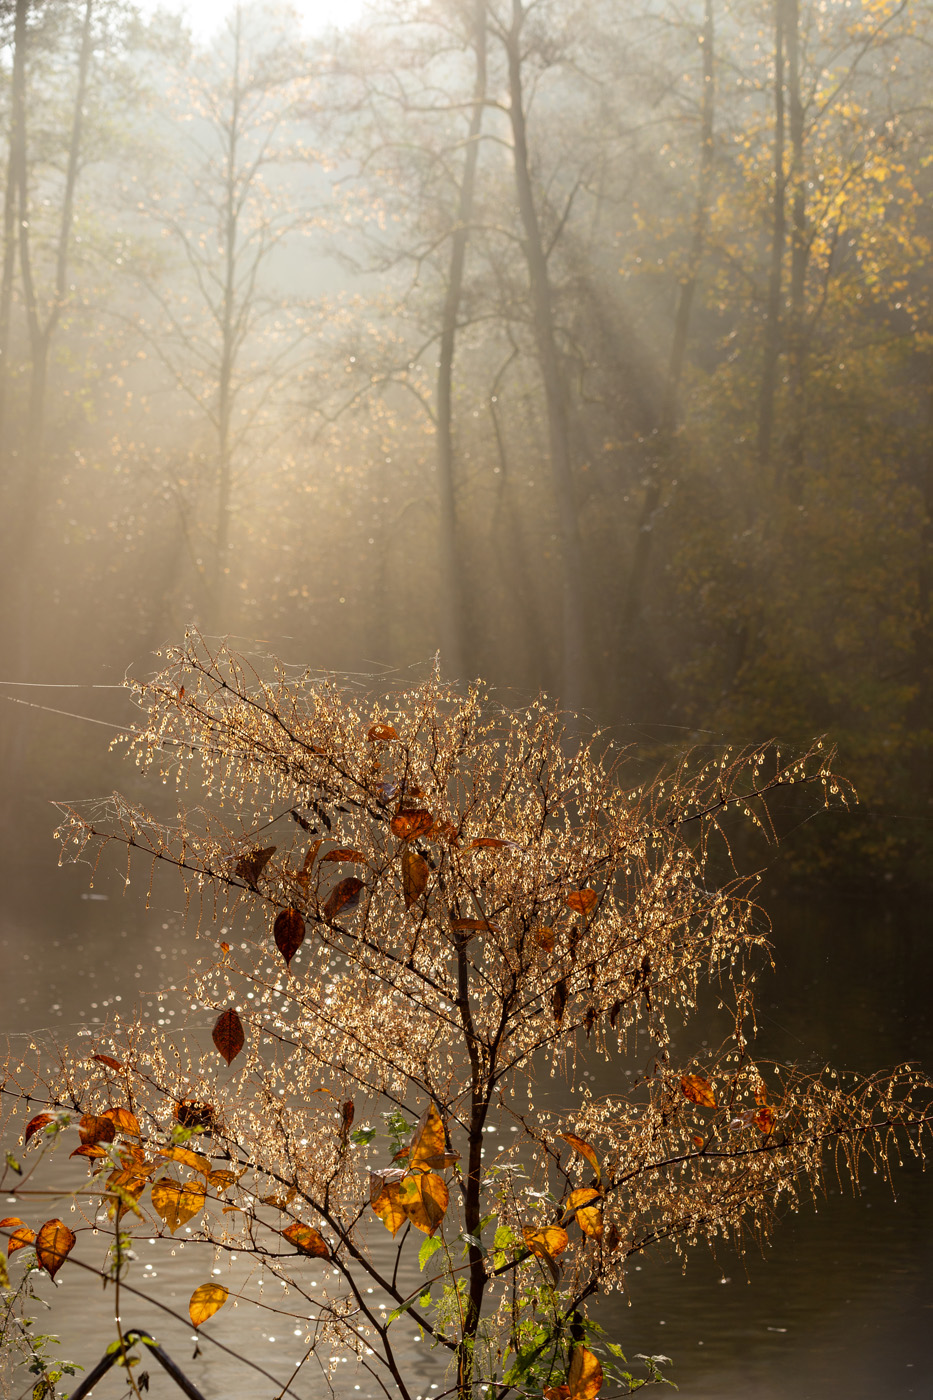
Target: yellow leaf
{"x":585,"y":1150}
{"x":205,"y":1301}
{"x":175,"y":1203}
{"x":585,"y":1376}
{"x":424,"y":1198}
{"x":384,"y":1198}
{"x":414,"y":876}
{"x":222,"y":1180}
{"x":190,"y":1159}
{"x":546,"y":1239}
{"x":123,"y":1121}
{"x":590,"y":1220}
{"x":583,"y":1196}
{"x":428,"y":1138}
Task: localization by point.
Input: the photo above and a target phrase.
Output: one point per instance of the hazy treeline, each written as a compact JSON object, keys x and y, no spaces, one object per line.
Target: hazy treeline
{"x":589,"y":342}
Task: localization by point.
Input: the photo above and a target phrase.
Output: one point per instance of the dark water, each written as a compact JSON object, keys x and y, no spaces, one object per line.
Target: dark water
{"x":840,"y":1306}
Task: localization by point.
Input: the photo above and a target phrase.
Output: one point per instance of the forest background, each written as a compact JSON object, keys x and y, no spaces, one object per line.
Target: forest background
{"x":589,"y":343}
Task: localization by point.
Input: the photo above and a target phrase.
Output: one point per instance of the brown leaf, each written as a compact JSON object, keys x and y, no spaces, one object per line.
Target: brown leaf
{"x":381,"y":733}
{"x":444,"y":831}
{"x":414,"y":876}
{"x":289,"y":933}
{"x":35,"y":1124}
{"x":407,"y":825}
{"x":205,"y":1301}
{"x":228,"y":1034}
{"x":94,"y":1128}
{"x":196,"y":1117}
{"x":697,"y":1140}
{"x":343,"y":898}
{"x":424,"y":1198}
{"x":489,"y":843}
{"x":123,"y":1121}
{"x":251,"y":864}
{"x":107,"y":1060}
{"x":473,"y":926}
{"x":585,"y":1376}
{"x":543,"y":937}
{"x":19,"y":1239}
{"x":582,"y":901}
{"x":345,"y":853}
{"x":54,"y":1243}
{"x":304,"y":874}
{"x":585,"y":1150}
{"x":347,"y":1114}
{"x":307,"y":1240}
{"x":698,"y":1090}
{"x":559,"y":999}
{"x":428,"y":1138}
{"x":177,"y":1203}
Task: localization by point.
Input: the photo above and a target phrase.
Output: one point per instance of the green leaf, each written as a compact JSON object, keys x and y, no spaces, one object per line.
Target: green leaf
{"x":431,"y":1245}
{"x":402,"y":1308}
{"x":13,"y":1164}
{"x":362,"y":1136}
{"x":424,"y":1300}
{"x":616,"y":1350}
{"x":475,"y":1241}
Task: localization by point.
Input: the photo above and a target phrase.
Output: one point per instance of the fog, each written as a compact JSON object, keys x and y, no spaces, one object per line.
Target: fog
{"x":583,"y":347}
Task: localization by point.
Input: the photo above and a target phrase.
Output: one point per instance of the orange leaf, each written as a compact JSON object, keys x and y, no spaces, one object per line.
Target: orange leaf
{"x":698,"y":1090}
{"x":585,"y":1376}
{"x":344,"y":897}
{"x":414,"y":876}
{"x":590,"y":1220}
{"x":544,"y":938}
{"x":190,"y":1159}
{"x":289,"y":933}
{"x":54,"y":1243}
{"x":307,"y":1240}
{"x":251,"y":864}
{"x":9,"y":1220}
{"x":546,"y":1239}
{"x":585,"y":1150}
{"x":582,"y":1196}
{"x":346,"y":853}
{"x":89,"y":1149}
{"x":473,"y":926}
{"x":381,"y":733}
{"x":582,"y":901}
{"x":205,"y":1301}
{"x":765,"y":1119}
{"x":407,"y":825}
{"x":384,"y":1198}
{"x":34,"y":1125}
{"x":228,"y":1034}
{"x":697,"y":1140}
{"x":424,"y":1198}
{"x":222,"y":1180}
{"x":490,"y":843}
{"x":19,"y":1239}
{"x":123,"y":1121}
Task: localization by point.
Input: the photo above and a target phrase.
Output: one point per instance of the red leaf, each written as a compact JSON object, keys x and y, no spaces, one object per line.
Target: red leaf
{"x":765,"y":1119}
{"x":228,"y":1035}
{"x":344,"y":897}
{"x":34,"y":1125}
{"x":407,"y":825}
{"x":289,"y":933}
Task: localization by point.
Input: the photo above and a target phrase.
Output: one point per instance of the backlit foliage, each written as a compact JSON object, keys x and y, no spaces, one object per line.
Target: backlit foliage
{"x":413,"y":913}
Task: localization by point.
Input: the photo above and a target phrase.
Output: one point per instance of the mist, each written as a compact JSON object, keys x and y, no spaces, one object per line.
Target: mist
{"x":581,"y":347}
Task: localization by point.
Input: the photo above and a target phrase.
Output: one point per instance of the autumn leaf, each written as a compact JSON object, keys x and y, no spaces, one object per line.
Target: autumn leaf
{"x":543,"y":937}
{"x":347,"y":1114}
{"x":35,"y":1124}
{"x":19,"y":1239}
{"x":307,"y":1240}
{"x":582,"y":901}
{"x":585,"y":1376}
{"x":205,"y":1301}
{"x":407,"y":825}
{"x":444,"y":831}
{"x":89,"y":1149}
{"x":765,"y":1119}
{"x":303,"y":876}
{"x":381,"y":733}
{"x":228,"y":1034}
{"x":345,"y":853}
{"x":546,"y":1239}
{"x":414,"y":876}
{"x":424,"y":1198}
{"x":490,"y":843}
{"x":54,"y":1243}
{"x":123,"y":1121}
{"x":107,"y":1060}
{"x":559,"y":999}
{"x":222,"y":1180}
{"x":473,"y":926}
{"x":251,"y":864}
{"x":384,"y":1198}
{"x":177,"y":1203}
{"x":8,"y":1221}
{"x":585,"y":1150}
{"x":196,"y":1117}
{"x":289,"y":933}
{"x":582,"y":1196}
{"x":698,"y":1090}
{"x":697,"y":1140}
{"x":94,"y":1128}
{"x":428,"y":1138}
{"x":343,"y":898}
{"x":188,"y":1158}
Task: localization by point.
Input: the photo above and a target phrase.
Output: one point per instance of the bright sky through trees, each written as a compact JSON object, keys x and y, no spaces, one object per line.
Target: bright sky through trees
{"x":206,"y":16}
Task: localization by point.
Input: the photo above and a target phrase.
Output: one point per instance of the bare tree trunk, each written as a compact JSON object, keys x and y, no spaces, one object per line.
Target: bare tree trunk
{"x":575,"y":666}
{"x":452,"y":610}
{"x":773,"y":319}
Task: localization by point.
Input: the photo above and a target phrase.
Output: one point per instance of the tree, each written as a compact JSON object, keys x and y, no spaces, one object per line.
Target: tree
{"x":377,"y":1035}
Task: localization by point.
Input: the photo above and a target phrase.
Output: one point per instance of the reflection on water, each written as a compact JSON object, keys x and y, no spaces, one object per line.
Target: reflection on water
{"x":841,"y":1306}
